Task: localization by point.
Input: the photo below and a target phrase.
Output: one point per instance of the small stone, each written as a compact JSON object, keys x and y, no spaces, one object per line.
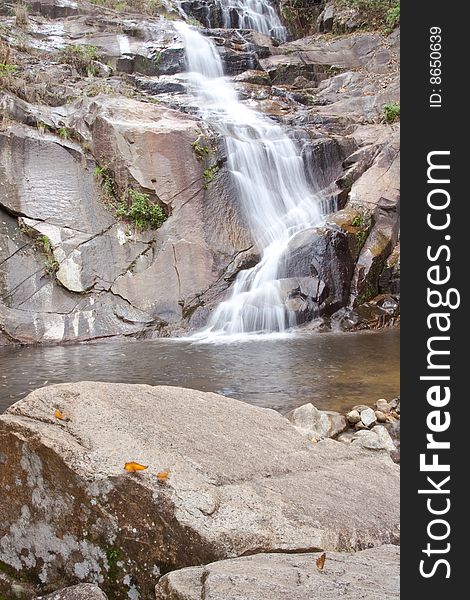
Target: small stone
{"x":360,"y":425}
{"x":381,"y":417}
{"x":368,"y":417}
{"x":353,"y":416}
{"x":383,"y":406}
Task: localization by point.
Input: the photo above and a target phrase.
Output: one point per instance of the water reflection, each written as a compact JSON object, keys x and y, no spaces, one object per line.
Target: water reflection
{"x":334,"y":371}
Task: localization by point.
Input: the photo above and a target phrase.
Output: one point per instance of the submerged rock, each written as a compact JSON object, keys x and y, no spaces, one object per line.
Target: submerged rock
{"x":241,"y":480}
{"x":371,"y":574}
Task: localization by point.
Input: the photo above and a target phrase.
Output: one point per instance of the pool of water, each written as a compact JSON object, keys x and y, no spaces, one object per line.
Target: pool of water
{"x":334,"y":371}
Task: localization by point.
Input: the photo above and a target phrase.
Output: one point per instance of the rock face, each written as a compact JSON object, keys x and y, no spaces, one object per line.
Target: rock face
{"x":129,"y":115}
{"x":293,"y":577}
{"x":241,"y":480}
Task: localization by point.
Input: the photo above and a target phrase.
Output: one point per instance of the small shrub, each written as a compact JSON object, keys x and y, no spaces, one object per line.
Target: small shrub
{"x":81,"y":58}
{"x":391,"y":112}
{"x":358,"y":221}
{"x":141,"y":211}
{"x":209,"y":175}
{"x":43,"y":244}
{"x":393,"y":17}
{"x":63,"y":133}
{"x":200,"y":150}
{"x":21,"y":15}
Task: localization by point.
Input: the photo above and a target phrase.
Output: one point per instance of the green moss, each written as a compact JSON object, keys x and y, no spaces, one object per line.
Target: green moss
{"x":393,"y":17}
{"x":363,"y":225}
{"x":391,"y":112}
{"x":114,"y":555}
{"x":43,"y":244}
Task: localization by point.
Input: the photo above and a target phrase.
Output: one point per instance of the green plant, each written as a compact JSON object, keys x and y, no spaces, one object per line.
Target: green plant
{"x":41,"y":127}
{"x":209,"y":175}
{"x":200,"y":150}
{"x":393,"y":17}
{"x":6,"y":69}
{"x":43,"y":244}
{"x":82,"y":58}
{"x":358,"y":221}
{"x":63,"y":133}
{"x":139,"y":209}
{"x":391,"y":112}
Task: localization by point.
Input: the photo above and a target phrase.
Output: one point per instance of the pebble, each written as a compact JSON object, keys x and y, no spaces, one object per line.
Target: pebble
{"x":383,"y":406}
{"x":353,"y":416}
{"x":368,"y":417}
{"x":381,"y":416}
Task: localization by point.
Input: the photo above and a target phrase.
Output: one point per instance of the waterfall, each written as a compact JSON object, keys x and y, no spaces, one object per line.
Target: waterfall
{"x":272,"y":188}
{"x":259,"y":15}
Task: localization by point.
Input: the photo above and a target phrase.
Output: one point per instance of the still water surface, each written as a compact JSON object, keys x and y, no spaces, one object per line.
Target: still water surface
{"x":333,"y":371}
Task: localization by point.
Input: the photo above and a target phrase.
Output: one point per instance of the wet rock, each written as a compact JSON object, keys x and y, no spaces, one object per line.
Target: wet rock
{"x":82,"y":591}
{"x":242,"y":480}
{"x":321,"y":253}
{"x":368,"y":417}
{"x":383,"y":236}
{"x":273,"y":576}
{"x":255,"y":77}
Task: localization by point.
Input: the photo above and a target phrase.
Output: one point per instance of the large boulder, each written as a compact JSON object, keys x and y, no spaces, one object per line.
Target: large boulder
{"x":370,"y":575}
{"x":241,"y":480}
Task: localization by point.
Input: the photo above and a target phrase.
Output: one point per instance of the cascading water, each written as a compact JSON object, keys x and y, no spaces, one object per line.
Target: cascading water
{"x":252,"y":14}
{"x":272,"y":188}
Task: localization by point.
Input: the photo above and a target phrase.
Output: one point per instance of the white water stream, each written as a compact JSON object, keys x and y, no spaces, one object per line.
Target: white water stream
{"x":253,"y":14}
{"x":272,"y":189}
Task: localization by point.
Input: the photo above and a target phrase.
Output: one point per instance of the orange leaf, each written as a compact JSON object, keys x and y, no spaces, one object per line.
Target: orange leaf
{"x":132,"y":467}
{"x":320,"y":562}
{"x":59,"y":415}
{"x":163,"y":476}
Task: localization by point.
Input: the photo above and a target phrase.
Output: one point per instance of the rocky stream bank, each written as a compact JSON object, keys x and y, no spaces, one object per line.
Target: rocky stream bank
{"x":161,"y":492}
{"x":117,"y":214}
